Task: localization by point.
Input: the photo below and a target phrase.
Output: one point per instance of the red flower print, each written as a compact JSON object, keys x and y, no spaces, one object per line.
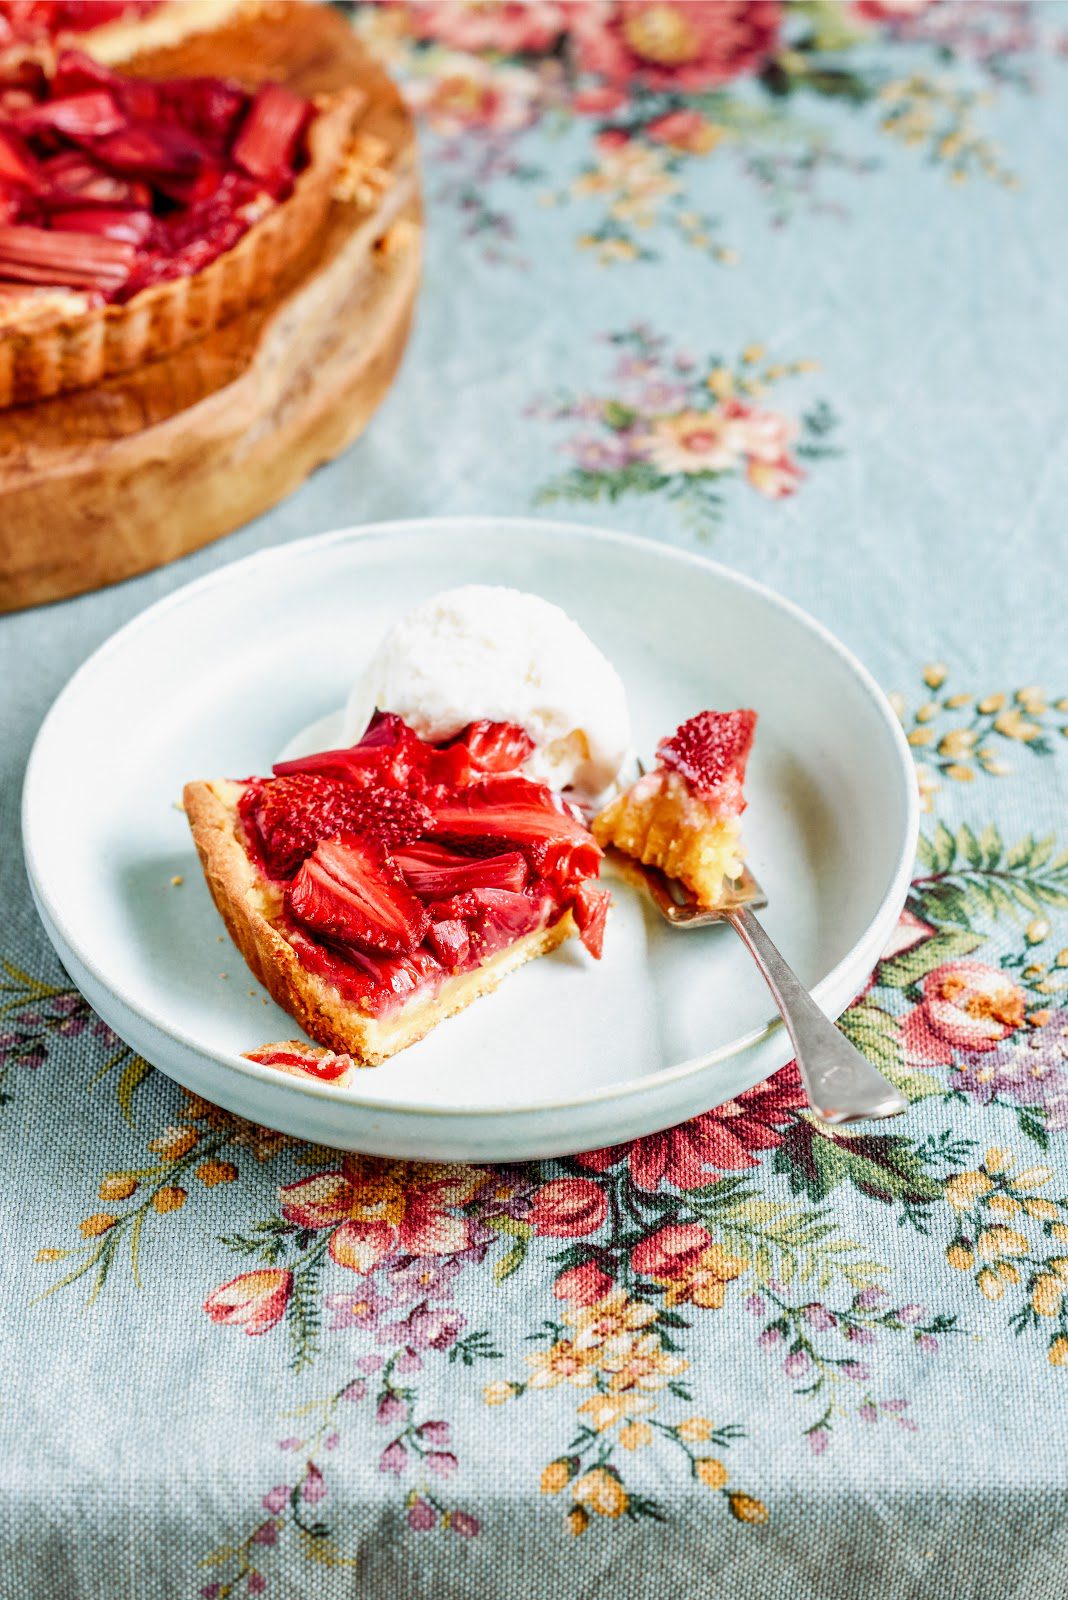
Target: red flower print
{"x":890,"y":10}
{"x":675,"y":44}
{"x":684,"y":130}
{"x":582,"y":1286}
{"x":566,"y":1208}
{"x":686,"y":1260}
{"x":254,"y":1301}
{"x":376,"y":1207}
{"x":724,"y":1138}
{"x":966,"y":1005}
{"x":669,"y":1251}
{"x":507,"y":28}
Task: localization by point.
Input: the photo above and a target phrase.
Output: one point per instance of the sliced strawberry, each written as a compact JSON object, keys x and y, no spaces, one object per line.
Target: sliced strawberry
{"x":590,"y":910}
{"x":710,"y":748}
{"x":91,"y":115}
{"x":349,"y":891}
{"x":79,"y":260}
{"x":511,"y":914}
{"x":522,"y":813}
{"x":450,"y":941}
{"x":496,"y":746}
{"x":291,"y":815}
{"x":437,"y":874}
{"x":268,"y":138}
{"x":326,"y":1065}
{"x":388,"y":753}
{"x":133,"y":226}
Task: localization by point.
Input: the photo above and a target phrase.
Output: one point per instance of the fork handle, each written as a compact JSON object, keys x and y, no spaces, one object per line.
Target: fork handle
{"x":841,"y":1084}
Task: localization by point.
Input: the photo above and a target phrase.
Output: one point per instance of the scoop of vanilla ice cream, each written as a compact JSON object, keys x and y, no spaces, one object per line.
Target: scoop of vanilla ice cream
{"x":495,"y":653}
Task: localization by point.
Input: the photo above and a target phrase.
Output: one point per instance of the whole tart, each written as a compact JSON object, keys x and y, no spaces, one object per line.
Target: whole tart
{"x":377,"y":890}
{"x":138,"y":214}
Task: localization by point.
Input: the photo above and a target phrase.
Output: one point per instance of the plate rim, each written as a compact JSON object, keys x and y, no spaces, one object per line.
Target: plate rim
{"x":890,"y":903}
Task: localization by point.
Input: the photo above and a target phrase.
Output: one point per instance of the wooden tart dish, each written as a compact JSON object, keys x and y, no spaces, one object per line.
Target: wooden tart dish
{"x":203,"y":400}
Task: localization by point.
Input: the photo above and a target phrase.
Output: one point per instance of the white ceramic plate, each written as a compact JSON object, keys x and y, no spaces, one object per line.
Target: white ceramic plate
{"x":568,"y":1054}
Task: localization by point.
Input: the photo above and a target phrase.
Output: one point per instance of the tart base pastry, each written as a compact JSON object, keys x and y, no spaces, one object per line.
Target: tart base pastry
{"x":250,"y":906}
{"x":684,"y":816}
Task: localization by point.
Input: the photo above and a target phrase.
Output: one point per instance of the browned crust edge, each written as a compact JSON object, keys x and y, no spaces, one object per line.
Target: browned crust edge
{"x":77,"y":351}
{"x":244,"y":902}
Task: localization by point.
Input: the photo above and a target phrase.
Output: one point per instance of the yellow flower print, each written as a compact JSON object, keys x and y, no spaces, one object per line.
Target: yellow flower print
{"x":562,"y":1364}
{"x":635,"y":1436}
{"x":556,"y":1476}
{"x":712,"y":1473}
{"x":746,"y":1508}
{"x":603,"y":1411}
{"x":1047,"y":1295}
{"x":614,"y":1315}
{"x":1012,"y":725}
{"x":600,"y":1491}
{"x":694,"y":1429}
{"x":964,"y":1188}
{"x":578,"y":1520}
{"x":100,"y":1221}
{"x":117,"y":1186}
{"x":705,"y":1281}
{"x":497,"y":1394}
{"x":640,"y":1362}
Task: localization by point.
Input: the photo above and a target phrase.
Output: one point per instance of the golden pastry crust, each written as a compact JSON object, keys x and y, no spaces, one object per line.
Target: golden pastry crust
{"x":660,"y":822}
{"x":51,"y":355}
{"x":247,"y":902}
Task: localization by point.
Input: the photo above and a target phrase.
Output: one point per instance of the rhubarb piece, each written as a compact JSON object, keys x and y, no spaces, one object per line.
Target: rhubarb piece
{"x":349,"y":891}
{"x":92,"y":115}
{"x":132,"y":226}
{"x":17,"y":166}
{"x":268,"y":138}
{"x":291,"y":815}
{"x":78,"y":260}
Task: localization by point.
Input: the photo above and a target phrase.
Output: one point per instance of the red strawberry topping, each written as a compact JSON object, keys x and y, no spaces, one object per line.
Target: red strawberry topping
{"x":327,"y":1065}
{"x":496,"y":746}
{"x":590,"y":910}
{"x":710,"y":748}
{"x":406,"y":860}
{"x":349,"y":891}
{"x":291,"y":815}
{"x":438,"y":874}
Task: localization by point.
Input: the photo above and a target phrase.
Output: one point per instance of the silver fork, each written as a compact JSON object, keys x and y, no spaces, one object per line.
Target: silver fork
{"x":841,"y":1084}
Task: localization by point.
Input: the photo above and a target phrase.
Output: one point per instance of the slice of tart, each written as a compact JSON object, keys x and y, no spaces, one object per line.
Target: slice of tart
{"x":684,"y":816}
{"x":377,"y":890}
{"x":137,"y":214}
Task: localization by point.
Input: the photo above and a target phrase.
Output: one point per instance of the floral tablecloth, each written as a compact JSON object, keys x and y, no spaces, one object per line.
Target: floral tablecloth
{"x":785,"y":284}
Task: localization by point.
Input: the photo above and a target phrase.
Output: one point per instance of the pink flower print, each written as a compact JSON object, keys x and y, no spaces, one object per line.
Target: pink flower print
{"x":421,"y":1516}
{"x":394,"y":1458}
